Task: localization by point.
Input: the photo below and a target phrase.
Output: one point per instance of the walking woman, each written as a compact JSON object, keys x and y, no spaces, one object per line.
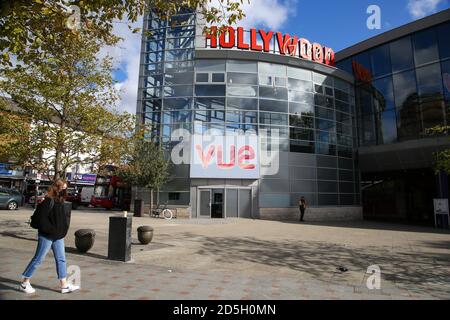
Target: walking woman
{"x":53,"y":227}
{"x":302,"y":207}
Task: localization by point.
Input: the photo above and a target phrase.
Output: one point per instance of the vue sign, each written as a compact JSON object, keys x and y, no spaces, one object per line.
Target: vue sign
{"x":225,"y":157}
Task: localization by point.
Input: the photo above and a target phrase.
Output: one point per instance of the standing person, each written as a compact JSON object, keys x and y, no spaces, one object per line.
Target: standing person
{"x":302,"y":206}
{"x":53,"y":227}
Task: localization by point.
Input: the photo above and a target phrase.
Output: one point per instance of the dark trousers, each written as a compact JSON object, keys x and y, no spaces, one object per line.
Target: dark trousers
{"x":302,"y":213}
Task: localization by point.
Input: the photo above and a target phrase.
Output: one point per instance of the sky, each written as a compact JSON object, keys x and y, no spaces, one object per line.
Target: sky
{"x":333,"y":23}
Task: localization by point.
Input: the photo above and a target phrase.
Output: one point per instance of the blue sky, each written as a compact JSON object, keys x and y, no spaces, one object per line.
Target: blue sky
{"x":334,"y":23}
{"x":342,"y":23}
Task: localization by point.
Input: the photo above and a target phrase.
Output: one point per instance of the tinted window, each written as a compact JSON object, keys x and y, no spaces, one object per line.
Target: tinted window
{"x":425,"y":47}
{"x":209,"y":103}
{"x":210,"y":90}
{"x":386,"y":91}
{"x":443,"y":38}
{"x":241,"y":66}
{"x":388,"y":130}
{"x":273,"y":105}
{"x":177,"y":104}
{"x":381,"y":61}
{"x":405,"y":88}
{"x":429,"y":81}
{"x":210,"y":65}
{"x":273,"y":93}
{"x":242,"y":90}
{"x":401,"y":54}
{"x":242,"y":103}
{"x":446,"y":78}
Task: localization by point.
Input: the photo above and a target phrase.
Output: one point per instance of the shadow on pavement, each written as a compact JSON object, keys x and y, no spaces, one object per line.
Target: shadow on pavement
{"x":9,"y":284}
{"x":372,"y":225}
{"x":17,"y":235}
{"x":75,"y":251}
{"x":418,"y":271}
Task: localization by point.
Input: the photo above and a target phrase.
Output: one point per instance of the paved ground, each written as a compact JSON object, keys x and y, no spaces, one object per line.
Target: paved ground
{"x":237,"y":259}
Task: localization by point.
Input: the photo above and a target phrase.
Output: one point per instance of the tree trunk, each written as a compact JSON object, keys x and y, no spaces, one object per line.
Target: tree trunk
{"x":151,"y":201}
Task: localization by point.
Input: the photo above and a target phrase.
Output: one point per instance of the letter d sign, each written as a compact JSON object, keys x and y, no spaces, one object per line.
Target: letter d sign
{"x":374,"y":281}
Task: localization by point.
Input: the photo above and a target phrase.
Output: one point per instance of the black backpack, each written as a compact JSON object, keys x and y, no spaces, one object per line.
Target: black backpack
{"x":36,"y":217}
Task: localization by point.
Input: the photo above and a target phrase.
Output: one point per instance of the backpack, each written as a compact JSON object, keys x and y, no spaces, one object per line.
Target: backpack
{"x":36,"y":217}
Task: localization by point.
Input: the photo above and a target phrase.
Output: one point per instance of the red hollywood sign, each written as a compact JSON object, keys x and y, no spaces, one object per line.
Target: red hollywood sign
{"x":232,"y":37}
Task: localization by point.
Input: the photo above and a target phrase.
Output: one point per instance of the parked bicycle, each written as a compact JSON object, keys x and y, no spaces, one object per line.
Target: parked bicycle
{"x":162,"y":211}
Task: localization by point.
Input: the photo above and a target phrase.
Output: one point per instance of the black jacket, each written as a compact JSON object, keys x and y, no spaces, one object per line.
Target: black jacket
{"x":54,"y":222}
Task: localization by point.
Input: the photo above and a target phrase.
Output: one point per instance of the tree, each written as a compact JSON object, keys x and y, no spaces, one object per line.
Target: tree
{"x":145,"y":167}
{"x":25,"y":25}
{"x":442,"y":157}
{"x":69,"y":99}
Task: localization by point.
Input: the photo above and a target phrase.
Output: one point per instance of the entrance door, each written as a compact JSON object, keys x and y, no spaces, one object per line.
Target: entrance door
{"x":217,"y":204}
{"x":245,"y":203}
{"x":205,"y":203}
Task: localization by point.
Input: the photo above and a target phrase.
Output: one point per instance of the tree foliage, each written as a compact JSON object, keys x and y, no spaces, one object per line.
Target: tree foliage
{"x":69,"y":100}
{"x":27,"y":27}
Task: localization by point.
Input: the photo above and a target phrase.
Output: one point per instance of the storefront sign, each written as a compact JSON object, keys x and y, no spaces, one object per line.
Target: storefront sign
{"x":85,"y":178}
{"x":5,"y":170}
{"x":261,"y":41}
{"x":225,"y":157}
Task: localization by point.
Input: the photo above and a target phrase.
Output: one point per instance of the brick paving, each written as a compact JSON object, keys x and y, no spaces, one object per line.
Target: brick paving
{"x":236,"y":259}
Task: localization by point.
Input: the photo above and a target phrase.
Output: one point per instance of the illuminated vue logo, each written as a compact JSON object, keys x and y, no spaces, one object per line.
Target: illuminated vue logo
{"x":240,"y":155}
{"x":261,"y":40}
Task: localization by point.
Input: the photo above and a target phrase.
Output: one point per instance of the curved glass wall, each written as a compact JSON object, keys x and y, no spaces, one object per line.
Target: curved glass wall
{"x":312,"y":112}
{"x":404,"y":87}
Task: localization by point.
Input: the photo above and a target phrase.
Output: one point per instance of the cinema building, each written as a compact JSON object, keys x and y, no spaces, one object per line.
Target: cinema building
{"x":280,"y":117}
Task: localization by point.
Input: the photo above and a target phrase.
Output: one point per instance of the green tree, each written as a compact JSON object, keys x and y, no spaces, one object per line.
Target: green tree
{"x":145,"y":166}
{"x":69,"y":99}
{"x":27,"y":26}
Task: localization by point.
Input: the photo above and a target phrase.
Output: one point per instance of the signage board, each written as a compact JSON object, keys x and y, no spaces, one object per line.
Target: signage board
{"x":269,"y":41}
{"x":441,"y":213}
{"x":82,"y":178}
{"x":225,"y":157}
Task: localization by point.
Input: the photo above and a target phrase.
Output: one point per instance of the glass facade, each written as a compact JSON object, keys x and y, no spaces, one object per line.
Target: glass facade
{"x":313,"y":114}
{"x":408,"y":88}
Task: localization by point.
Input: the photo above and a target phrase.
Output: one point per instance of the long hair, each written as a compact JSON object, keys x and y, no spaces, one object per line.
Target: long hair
{"x":55,"y":191}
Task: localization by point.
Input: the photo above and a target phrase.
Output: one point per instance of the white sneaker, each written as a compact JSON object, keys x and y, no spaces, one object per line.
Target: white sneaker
{"x":27,"y":288}
{"x":69,"y":288}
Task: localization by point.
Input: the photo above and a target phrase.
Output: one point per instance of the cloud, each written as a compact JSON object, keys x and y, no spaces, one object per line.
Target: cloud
{"x":126,"y":57}
{"x":421,"y":8}
{"x":268,"y":13}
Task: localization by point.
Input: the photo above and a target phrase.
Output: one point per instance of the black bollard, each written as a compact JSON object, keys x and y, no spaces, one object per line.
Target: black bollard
{"x":119,"y":241}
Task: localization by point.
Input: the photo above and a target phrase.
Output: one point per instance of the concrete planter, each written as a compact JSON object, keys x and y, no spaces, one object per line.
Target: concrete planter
{"x":145,"y":234}
{"x":84,"y":239}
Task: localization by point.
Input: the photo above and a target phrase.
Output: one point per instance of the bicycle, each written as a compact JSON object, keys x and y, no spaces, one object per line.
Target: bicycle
{"x":164,"y":211}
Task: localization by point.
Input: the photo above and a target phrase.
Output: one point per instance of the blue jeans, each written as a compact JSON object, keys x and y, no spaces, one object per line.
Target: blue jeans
{"x":43,"y":247}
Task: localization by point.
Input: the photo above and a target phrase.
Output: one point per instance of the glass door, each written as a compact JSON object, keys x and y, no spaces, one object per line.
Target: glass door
{"x":205,"y":203}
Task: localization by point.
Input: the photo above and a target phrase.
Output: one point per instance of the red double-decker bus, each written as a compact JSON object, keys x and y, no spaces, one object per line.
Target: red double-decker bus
{"x":110,"y":192}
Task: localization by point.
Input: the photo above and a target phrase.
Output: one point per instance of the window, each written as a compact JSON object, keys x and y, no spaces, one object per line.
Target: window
{"x":177,"y":104}
{"x":273,"y":93}
{"x":301,"y":147}
{"x":381,"y":61}
{"x":242,"y":66}
{"x":209,"y":103}
{"x":242,"y":78}
{"x":444,"y":45}
{"x":210,"y":90}
{"x":265,"y":80}
{"x":241,"y":117}
{"x":210,"y":116}
{"x":202,"y":77}
{"x":429,"y":81}
{"x":301,"y":134}
{"x":242,"y":103}
{"x":218,"y":77}
{"x":210,"y":65}
{"x":273,"y":105}
{"x":385,"y":89}
{"x":177,"y":91}
{"x":301,"y":121}
{"x":272,"y":69}
{"x":299,"y":108}
{"x":280,"y":82}
{"x":401,"y":54}
{"x":301,"y":85}
{"x":242,"y":91}
{"x":425,"y":47}
{"x":405,"y":88}
{"x":388,"y":131}
{"x":174,"y":196}
{"x":301,"y":97}
{"x":273,"y":118}
{"x":178,"y":78}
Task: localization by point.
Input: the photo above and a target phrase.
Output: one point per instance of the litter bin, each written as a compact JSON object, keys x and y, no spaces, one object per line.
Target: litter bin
{"x":138,"y":207}
{"x":119,"y":240}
